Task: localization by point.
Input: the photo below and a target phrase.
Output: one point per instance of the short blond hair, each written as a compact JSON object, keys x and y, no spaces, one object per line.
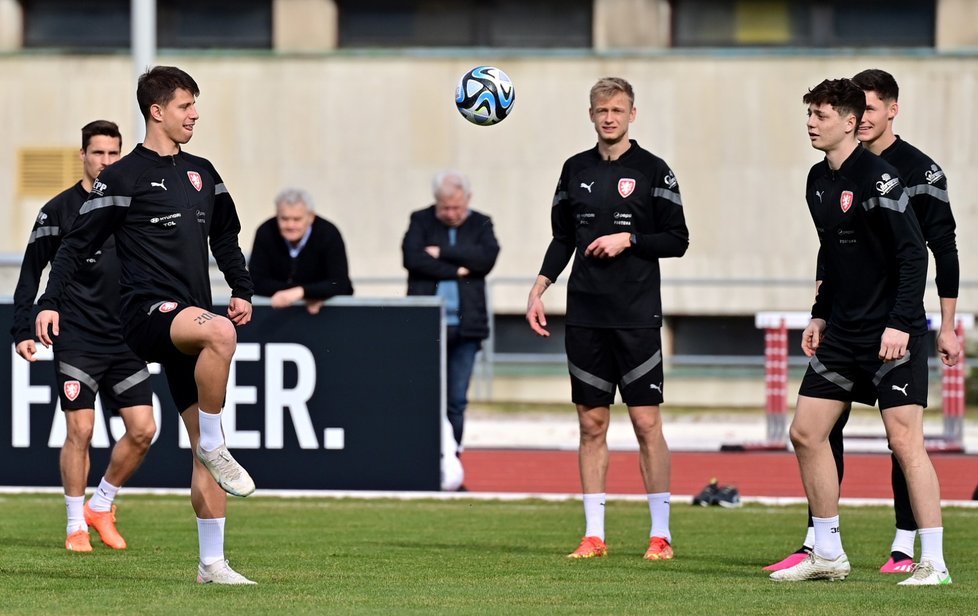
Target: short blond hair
{"x":610,"y":86}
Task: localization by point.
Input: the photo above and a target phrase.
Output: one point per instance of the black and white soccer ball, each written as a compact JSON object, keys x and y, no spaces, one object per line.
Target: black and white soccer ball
{"x":485,"y":95}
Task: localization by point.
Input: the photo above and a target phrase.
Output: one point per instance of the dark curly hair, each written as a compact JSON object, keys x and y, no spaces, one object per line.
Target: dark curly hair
{"x":843,"y":94}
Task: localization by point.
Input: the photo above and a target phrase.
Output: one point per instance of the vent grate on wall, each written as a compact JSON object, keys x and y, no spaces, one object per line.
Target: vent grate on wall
{"x":44,"y":172}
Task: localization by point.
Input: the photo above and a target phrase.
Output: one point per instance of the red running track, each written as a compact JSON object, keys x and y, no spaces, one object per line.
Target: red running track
{"x":767,"y":473}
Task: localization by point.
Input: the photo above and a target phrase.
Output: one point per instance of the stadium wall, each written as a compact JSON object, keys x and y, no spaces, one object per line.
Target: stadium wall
{"x":364,"y":133}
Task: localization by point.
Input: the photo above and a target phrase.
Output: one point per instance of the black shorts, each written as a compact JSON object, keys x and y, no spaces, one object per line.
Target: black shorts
{"x":853,"y":372}
{"x":148,"y":334}
{"x":601,"y":359}
{"x":120,"y":379}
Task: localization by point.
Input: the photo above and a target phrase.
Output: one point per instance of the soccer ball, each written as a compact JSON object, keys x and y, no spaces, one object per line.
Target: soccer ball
{"x":485,"y":95}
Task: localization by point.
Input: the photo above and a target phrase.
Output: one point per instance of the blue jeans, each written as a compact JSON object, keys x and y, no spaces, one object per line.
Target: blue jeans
{"x":460,"y":361}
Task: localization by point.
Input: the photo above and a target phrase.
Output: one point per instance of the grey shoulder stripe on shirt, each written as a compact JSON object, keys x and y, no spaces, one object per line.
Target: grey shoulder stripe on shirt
{"x":897,"y":205}
{"x":926,"y":189}
{"x":830,"y":376}
{"x":590,"y":379}
{"x":642,"y":369}
{"x":220,"y":189}
{"x":560,"y":196}
{"x":668,"y":195}
{"x":44,"y":232}
{"x":100,"y":202}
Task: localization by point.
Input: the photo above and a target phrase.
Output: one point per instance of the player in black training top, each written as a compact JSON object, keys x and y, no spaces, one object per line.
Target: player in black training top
{"x":866,"y":335}
{"x":91,"y":356}
{"x":926,"y":186}
{"x":165,"y":206}
{"x":617,"y":211}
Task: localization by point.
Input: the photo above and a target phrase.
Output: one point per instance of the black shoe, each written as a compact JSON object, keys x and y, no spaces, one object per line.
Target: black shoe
{"x":727,"y":496}
{"x":707,"y":495}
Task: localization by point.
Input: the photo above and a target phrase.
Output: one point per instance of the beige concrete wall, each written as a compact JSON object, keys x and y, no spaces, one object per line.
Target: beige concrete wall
{"x":11,"y":18}
{"x":631,"y":24}
{"x":364,"y":135}
{"x":957,"y":25}
{"x":303,"y":26}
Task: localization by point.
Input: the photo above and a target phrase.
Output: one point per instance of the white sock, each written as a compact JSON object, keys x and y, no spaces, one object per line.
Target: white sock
{"x":211,"y":434}
{"x":932,"y":546}
{"x":659,"y":509}
{"x":76,"y":513}
{"x":103,"y":497}
{"x":828,"y":537}
{"x":904,"y":541}
{"x":210,"y":538}
{"x":810,"y":538}
{"x":594,"y":515}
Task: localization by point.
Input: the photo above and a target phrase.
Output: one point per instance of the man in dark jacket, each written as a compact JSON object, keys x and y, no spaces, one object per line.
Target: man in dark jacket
{"x":448,"y":251}
{"x":298,"y":255}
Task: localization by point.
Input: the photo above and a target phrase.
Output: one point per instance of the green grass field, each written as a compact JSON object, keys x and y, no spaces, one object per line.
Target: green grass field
{"x":316,"y":555}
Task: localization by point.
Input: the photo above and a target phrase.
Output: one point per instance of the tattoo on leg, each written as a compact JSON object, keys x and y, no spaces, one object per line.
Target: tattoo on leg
{"x":204,"y":317}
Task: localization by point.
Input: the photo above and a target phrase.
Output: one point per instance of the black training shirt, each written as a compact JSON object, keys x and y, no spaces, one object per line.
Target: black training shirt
{"x":637,"y":194}
{"x":163,"y":210}
{"x":926,"y":185}
{"x":89,"y":319}
{"x":871,"y":247}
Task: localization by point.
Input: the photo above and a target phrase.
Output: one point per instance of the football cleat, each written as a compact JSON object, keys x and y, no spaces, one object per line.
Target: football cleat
{"x":898,"y":566}
{"x":791,"y":560}
{"x":925,"y":574}
{"x":220,"y":572}
{"x":231,"y":476}
{"x":104,"y":523}
{"x":78,"y":541}
{"x":591,"y":547}
{"x":659,"y":549}
{"x":814,"y":567}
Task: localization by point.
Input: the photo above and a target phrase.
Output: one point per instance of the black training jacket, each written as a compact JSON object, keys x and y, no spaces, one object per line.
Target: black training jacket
{"x":638,"y":194}
{"x":475,"y":249}
{"x":163,"y":210}
{"x":871,"y":248}
{"x":925,"y":184}
{"x":321,"y":268}
{"x":89,"y":319}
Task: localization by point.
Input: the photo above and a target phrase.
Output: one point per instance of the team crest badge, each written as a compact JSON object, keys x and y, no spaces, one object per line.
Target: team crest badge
{"x":72,"y":389}
{"x":168,"y":306}
{"x":626,"y":186}
{"x":845,"y":201}
{"x":195,"y":180}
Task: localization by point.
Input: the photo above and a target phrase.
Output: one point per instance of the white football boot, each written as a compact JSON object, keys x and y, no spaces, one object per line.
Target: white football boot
{"x":815,"y":568}
{"x":220,"y":572}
